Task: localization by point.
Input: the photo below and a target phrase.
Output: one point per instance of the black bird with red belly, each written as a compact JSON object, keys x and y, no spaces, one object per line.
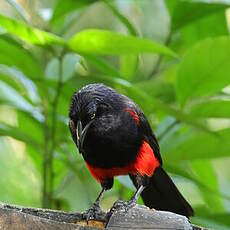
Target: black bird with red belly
{"x":115,"y":138}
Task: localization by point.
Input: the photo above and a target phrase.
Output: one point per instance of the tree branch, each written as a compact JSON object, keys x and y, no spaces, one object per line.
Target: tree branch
{"x":140,"y":217}
{"x":53,"y":130}
{"x":50,"y":137}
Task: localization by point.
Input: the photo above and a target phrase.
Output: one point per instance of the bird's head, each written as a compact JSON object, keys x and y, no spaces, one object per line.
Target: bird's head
{"x":89,"y":103}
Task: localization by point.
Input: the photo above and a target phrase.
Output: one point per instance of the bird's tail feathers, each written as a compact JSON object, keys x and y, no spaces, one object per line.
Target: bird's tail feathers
{"x":162,"y":194}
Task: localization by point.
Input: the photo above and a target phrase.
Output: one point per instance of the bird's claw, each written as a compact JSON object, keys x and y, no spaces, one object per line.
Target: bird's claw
{"x":94,"y":213}
{"x":120,"y":205}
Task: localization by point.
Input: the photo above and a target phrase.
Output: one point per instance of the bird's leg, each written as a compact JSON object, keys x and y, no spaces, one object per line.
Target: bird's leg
{"x":140,"y":182}
{"x":133,"y":201}
{"x":126,"y":205}
{"x":95,"y":210}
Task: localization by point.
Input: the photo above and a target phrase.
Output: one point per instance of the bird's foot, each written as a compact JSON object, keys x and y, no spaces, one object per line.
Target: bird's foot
{"x":94,"y":213}
{"x":120,"y":205}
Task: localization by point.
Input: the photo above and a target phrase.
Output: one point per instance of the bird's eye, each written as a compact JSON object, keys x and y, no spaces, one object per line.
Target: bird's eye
{"x":92,"y":116}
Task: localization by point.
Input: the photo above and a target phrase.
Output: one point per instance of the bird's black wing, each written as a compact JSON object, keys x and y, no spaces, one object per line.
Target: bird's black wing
{"x":161,"y":193}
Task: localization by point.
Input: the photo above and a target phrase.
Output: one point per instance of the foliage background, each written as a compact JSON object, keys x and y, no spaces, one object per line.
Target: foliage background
{"x":179,"y":76}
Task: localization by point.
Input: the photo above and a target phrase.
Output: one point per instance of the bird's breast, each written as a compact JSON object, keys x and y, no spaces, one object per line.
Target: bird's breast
{"x":144,"y":165}
{"x":112,"y":141}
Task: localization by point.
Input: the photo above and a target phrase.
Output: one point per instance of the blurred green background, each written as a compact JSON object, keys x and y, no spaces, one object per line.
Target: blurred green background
{"x":172,"y":57}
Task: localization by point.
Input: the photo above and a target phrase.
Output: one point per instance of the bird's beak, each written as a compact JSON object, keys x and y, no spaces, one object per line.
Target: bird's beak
{"x":81,"y":134}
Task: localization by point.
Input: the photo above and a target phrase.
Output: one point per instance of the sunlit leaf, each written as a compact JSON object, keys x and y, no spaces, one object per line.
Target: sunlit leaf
{"x":104,"y":42}
{"x":28,"y":33}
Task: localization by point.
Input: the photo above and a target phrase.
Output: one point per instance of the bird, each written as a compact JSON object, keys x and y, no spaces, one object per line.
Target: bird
{"x":115,"y":138}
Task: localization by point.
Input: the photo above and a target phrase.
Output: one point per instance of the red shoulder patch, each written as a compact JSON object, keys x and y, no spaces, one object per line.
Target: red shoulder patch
{"x":134,"y":115}
{"x":145,"y":164}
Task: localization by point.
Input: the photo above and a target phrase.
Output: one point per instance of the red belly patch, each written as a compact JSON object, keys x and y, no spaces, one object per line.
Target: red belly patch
{"x":145,"y":164}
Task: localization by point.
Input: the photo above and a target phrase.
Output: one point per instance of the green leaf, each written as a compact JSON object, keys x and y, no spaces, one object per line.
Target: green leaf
{"x":200,"y":146}
{"x":103,"y":42}
{"x":212,"y":108}
{"x":28,"y":33}
{"x":32,"y":127}
{"x":158,"y":88}
{"x":10,"y":96}
{"x":128,"y":66}
{"x":204,"y":70}
{"x":213,"y":25}
{"x":7,"y":75}
{"x":104,"y":66}
{"x":20,"y":175}
{"x":13,"y":54}
{"x":16,"y":133}
{"x":184,"y":12}
{"x":205,"y":172}
{"x":19,"y":82}
{"x":36,"y":156}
